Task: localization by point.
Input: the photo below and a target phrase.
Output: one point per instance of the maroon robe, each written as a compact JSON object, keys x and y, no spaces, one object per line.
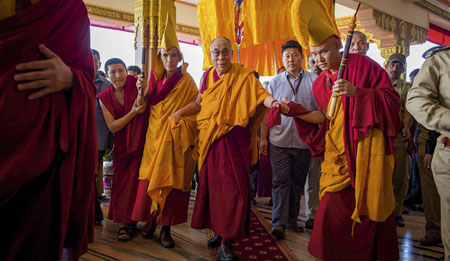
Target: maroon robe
{"x":225,"y":175}
{"x":177,"y":202}
{"x":127,"y":152}
{"x":375,"y":105}
{"x":48,"y":153}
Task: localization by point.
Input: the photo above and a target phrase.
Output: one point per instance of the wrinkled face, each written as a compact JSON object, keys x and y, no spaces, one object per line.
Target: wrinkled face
{"x":221,"y":55}
{"x":97,"y":64}
{"x":313,"y":66}
{"x":170,"y":59}
{"x":359,"y":44}
{"x":395,"y":70}
{"x":134,"y":73}
{"x":327,"y":55}
{"x":292,"y":60}
{"x":117,"y":73}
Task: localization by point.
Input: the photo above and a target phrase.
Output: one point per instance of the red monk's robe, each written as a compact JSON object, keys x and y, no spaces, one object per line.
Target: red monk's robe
{"x":375,"y":105}
{"x":127,"y":152}
{"x":47,"y":146}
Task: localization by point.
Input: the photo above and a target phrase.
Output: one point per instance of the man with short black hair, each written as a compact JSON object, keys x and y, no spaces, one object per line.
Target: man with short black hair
{"x":313,"y":67}
{"x":128,"y":121}
{"x":289,"y":155}
{"x":134,"y":70}
{"x":395,"y":66}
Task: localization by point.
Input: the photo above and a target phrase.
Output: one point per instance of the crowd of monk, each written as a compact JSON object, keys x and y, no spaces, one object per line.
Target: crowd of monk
{"x":60,"y":115}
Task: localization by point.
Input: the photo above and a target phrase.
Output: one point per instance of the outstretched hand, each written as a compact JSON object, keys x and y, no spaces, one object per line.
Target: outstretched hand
{"x":50,"y":75}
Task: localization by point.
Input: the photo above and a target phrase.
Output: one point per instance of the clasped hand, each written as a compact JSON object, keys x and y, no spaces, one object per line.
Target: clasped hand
{"x":50,"y":75}
{"x":343,"y":88}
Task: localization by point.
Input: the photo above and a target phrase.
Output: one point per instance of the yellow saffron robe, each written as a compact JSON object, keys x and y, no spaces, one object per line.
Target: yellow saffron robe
{"x":373,"y":178}
{"x":168,"y":160}
{"x":231,"y":101}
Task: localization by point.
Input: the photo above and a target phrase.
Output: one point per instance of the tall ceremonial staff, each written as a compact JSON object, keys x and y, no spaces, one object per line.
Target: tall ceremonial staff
{"x":238,"y":25}
{"x":150,"y":19}
{"x":348,"y":43}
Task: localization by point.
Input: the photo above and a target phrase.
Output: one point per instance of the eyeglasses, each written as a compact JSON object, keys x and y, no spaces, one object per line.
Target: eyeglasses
{"x":224,"y":52}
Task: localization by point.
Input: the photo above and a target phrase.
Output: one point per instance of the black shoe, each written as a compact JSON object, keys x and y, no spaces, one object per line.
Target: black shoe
{"x":165,"y":238}
{"x":430,"y":241}
{"x":148,"y":230}
{"x":399,"y":221}
{"x":295,"y":228}
{"x":309,"y":224}
{"x":225,"y":253}
{"x":270,"y":203}
{"x":254,"y":202}
{"x":278,"y":232}
{"x":214,"y":241}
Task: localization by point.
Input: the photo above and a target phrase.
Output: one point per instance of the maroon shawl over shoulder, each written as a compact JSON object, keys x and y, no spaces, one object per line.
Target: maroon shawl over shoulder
{"x":33,"y":133}
{"x":159,"y":89}
{"x":375,"y":105}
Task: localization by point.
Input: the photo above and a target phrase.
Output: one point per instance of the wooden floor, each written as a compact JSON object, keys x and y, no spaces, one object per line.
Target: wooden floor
{"x":191,"y":243}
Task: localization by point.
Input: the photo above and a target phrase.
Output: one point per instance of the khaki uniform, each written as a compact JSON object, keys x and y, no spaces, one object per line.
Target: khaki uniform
{"x":402,"y":172}
{"x":429,"y":103}
{"x":430,"y":195}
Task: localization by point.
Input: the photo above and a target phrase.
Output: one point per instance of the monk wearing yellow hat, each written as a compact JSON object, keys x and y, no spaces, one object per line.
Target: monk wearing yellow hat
{"x":355,"y":219}
{"x":167,"y":164}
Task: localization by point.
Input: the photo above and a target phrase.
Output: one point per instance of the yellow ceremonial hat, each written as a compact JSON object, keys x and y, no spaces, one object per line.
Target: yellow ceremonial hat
{"x":313,"y":21}
{"x":168,"y":40}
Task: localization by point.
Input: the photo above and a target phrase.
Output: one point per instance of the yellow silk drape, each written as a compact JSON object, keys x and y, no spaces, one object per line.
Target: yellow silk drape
{"x":168,"y":159}
{"x":7,"y":8}
{"x":267,"y":25}
{"x":234,"y":100}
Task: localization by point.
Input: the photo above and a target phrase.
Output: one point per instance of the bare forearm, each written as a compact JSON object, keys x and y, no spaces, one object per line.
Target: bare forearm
{"x":189,"y":109}
{"x":264,"y":129}
{"x":117,"y":125}
{"x":408,"y":120}
{"x":315,"y":117}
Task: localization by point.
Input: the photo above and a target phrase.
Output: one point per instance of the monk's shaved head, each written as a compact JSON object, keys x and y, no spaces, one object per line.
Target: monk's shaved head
{"x":359,"y":43}
{"x":363,"y":35}
{"x":221,"y":38}
{"x":327,"y":55}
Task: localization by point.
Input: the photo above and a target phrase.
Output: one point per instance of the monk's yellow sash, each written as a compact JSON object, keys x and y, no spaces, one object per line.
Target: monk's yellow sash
{"x":168,"y":160}
{"x":234,"y":100}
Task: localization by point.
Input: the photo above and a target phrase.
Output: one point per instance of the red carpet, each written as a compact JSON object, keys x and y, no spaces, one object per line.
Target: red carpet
{"x":259,"y":244}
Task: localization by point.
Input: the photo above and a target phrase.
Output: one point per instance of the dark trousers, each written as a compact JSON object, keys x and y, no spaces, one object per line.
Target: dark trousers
{"x":98,"y":209}
{"x":290,"y":167}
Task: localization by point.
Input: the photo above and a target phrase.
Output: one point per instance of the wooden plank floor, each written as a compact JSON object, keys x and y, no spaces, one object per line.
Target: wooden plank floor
{"x":190,"y":244}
